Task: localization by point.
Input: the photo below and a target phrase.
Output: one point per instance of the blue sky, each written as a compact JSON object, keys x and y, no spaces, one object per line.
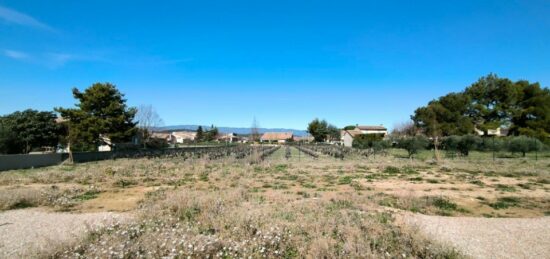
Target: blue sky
{"x":285,"y":62}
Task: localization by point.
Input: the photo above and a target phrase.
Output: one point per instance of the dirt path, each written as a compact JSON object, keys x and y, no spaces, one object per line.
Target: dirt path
{"x":488,"y":237}
{"x":31,"y":232}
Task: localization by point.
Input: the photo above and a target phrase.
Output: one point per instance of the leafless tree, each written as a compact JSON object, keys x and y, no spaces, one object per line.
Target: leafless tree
{"x":403,"y":129}
{"x":148,"y":119}
{"x":255,"y":131}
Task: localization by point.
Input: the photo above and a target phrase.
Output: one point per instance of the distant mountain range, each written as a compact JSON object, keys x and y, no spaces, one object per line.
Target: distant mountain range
{"x":240,"y":131}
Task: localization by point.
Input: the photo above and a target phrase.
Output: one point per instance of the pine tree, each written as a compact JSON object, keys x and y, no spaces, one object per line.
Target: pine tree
{"x":101,"y":111}
{"x":200,"y":134}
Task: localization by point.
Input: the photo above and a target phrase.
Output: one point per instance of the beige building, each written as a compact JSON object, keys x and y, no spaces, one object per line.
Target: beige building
{"x":372,"y":129}
{"x":164,"y":136}
{"x":184,"y":136}
{"x":229,"y":138}
{"x":347,"y":136}
{"x":306,"y":139}
{"x":278,"y":137}
{"x":498,"y":132}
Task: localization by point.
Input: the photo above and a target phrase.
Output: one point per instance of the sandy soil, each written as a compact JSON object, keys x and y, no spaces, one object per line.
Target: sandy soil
{"x":487,"y":237}
{"x":33,"y":232}
{"x":117,"y":200}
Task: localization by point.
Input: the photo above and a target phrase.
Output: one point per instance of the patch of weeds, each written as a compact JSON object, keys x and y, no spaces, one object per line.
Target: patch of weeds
{"x":392,"y":170}
{"x":383,"y":217}
{"x":88,"y":195}
{"x":357,"y":186}
{"x":329,"y":178}
{"x":255,"y":189}
{"x":416,"y":179}
{"x":505,"y":188}
{"x":281,"y":168}
{"x":345,"y":180}
{"x":109,"y":171}
{"x":477,"y":182}
{"x":445,"y":169}
{"x":279,"y":186}
{"x":339,"y":205}
{"x":524,"y":186}
{"x":189,"y":214}
{"x":291,"y":177}
{"x":123,"y":183}
{"x":409,"y":170}
{"x":309,"y":185}
{"x":444,"y":204}
{"x":432,"y":181}
{"x":388,"y":201}
{"x":203,"y":177}
{"x":305,"y":195}
{"x":505,"y":202}
{"x":21,"y":204}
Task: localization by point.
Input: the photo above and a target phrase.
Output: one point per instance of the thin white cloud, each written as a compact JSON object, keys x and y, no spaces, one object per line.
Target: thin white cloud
{"x":15,"y":54}
{"x":49,"y":59}
{"x":12,"y":16}
{"x":54,"y":60}
{"x":59,"y":59}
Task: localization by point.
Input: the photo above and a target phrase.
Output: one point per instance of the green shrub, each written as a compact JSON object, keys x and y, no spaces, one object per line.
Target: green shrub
{"x":413,"y":144}
{"x":505,"y":202}
{"x":524,"y":144}
{"x":444,"y":204}
{"x":391,"y":170}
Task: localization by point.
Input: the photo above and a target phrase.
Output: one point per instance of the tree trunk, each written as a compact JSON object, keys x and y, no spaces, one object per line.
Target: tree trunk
{"x":436,"y":149}
{"x":70,"y":151}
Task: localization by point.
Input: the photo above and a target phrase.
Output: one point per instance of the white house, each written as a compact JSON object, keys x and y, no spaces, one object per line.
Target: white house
{"x":372,"y":129}
{"x":498,"y":132}
{"x":105,"y":144}
{"x":347,"y":136}
{"x":164,"y":136}
{"x":229,"y":138}
{"x":184,"y":136}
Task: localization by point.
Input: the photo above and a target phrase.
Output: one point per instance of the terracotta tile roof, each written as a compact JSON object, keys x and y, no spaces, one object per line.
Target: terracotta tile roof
{"x":366,"y":127}
{"x":353,"y":132}
{"x":185,"y":134}
{"x":277,"y":135}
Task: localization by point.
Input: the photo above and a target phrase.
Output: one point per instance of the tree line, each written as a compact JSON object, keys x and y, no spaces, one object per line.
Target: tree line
{"x":490,"y":103}
{"x":101,"y":113}
{"x":206,"y":135}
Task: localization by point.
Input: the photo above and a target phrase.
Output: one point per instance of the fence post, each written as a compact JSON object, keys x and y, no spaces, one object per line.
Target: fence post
{"x":493,"y":148}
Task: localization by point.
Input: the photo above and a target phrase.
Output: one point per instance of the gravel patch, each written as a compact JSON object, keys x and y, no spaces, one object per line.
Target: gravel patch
{"x":33,"y":232}
{"x":488,"y":237}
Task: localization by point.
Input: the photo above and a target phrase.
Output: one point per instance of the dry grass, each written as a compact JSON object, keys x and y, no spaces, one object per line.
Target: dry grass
{"x":281,"y":207}
{"x":61,"y":199}
{"x":239,"y":224}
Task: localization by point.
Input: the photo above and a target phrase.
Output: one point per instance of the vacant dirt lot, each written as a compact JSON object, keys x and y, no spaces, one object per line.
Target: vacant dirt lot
{"x":288,"y":205}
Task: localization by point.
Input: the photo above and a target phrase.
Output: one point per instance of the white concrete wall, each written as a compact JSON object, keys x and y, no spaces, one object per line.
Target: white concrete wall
{"x":374,"y":132}
{"x":348,"y":140}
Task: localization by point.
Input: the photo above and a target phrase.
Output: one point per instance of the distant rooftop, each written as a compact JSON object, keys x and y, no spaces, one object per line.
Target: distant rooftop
{"x":368,"y":127}
{"x":277,"y":135}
